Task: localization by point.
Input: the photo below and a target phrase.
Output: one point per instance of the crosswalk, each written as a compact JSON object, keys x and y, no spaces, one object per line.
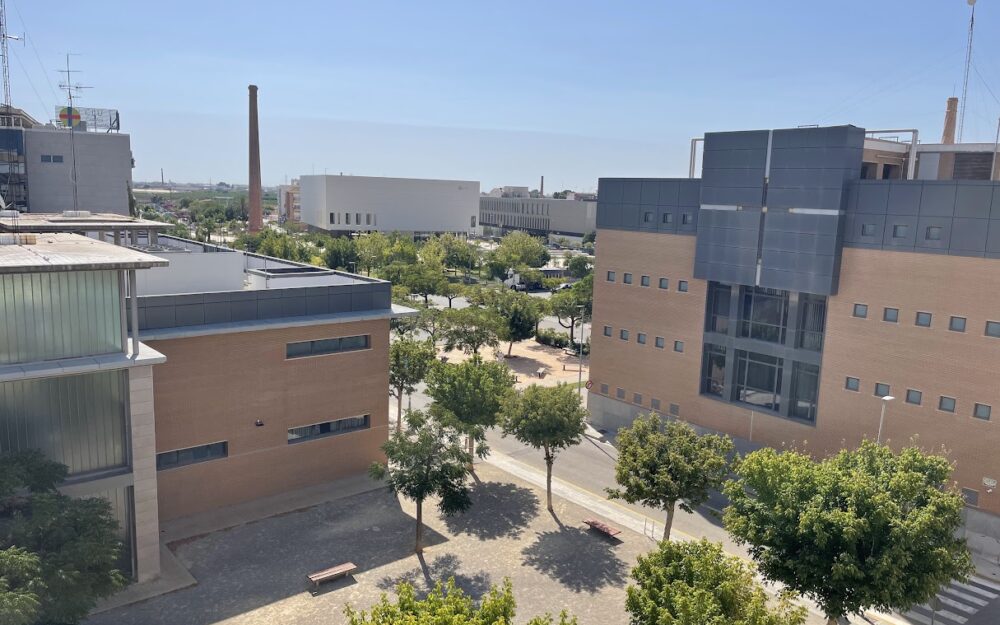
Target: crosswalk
{"x":957,"y":603}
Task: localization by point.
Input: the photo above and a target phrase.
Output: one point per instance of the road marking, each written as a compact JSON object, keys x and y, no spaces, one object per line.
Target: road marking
{"x":982,"y":581}
{"x":966,"y":596}
{"x":957,"y":605}
{"x":976,"y":589}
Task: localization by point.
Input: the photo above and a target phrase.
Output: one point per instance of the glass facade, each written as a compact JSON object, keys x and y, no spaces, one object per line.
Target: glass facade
{"x":328,"y":428}
{"x":717,"y":313}
{"x":758,"y":380}
{"x":327,"y":346}
{"x":805,"y":389}
{"x":812,"y":322}
{"x":764,"y":314}
{"x":713,"y":370}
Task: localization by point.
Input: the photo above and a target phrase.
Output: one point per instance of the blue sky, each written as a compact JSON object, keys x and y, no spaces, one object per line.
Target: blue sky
{"x":500,"y":92}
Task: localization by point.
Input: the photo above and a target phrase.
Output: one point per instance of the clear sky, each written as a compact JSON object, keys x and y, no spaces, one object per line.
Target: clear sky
{"x":500,"y":92}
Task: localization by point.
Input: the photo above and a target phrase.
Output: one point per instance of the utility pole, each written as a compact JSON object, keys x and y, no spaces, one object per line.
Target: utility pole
{"x":72,"y":89}
{"x":7,"y":117}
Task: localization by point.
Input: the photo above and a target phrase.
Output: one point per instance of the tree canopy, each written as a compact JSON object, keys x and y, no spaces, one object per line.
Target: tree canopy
{"x":579,"y":266}
{"x":569,"y":308}
{"x":519,"y":249}
{"x":471,"y":329}
{"x":866,"y":528}
{"x":409,"y":361}
{"x":519,"y":313}
{"x":372,"y":249}
{"x":664,"y":464}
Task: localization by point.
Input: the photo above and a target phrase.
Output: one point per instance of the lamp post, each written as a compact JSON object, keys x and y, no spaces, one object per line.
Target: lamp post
{"x":885,"y":400}
{"x":579,"y":382}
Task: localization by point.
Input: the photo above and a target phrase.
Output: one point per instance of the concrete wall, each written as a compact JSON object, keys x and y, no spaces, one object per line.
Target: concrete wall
{"x":214,"y":388}
{"x":104,"y":171}
{"x":143,"y":430}
{"x":394,"y":204}
{"x":193,"y":272}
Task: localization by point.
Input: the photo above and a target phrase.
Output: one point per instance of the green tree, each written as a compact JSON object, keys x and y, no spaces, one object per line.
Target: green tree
{"x":566,"y":305}
{"x":695,"y":583}
{"x":57,"y":551}
{"x":409,"y":361}
{"x":423,"y":280}
{"x":426,"y":460}
{"x":549,"y":418}
{"x":470,"y":329}
{"x":518,"y":312}
{"x":459,"y":254}
{"x":448,"y":605}
{"x":451,"y":290}
{"x":579,"y":266}
{"x":340,"y":253}
{"x":520,"y":249}
{"x":590,"y":237}
{"x":665,"y":464}
{"x":434,"y":322}
{"x":401,"y":249}
{"x":866,"y":528}
{"x":372,"y":249}
{"x":432,"y":253}
{"x":470,"y":395}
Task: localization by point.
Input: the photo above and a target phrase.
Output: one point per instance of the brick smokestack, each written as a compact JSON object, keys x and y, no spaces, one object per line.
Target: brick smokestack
{"x":946,"y":162}
{"x":256,"y":210}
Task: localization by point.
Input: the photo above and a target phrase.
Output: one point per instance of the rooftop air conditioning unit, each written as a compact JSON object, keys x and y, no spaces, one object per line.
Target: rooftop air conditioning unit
{"x":76,"y":213}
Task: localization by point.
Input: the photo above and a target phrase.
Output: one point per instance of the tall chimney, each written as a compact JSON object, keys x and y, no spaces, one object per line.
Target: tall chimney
{"x":256,"y":211}
{"x":946,"y":161}
{"x":541,"y":189}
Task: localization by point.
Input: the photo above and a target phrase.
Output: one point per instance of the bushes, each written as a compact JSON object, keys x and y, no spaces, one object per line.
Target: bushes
{"x":561,"y":340}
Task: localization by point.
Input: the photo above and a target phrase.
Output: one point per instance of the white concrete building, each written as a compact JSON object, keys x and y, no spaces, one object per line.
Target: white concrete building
{"x":363,"y":203}
{"x":538,"y":215}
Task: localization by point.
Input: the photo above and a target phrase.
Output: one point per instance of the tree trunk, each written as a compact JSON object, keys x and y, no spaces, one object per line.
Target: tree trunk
{"x":472,"y":452}
{"x":509,"y":348}
{"x":833,"y":620}
{"x":427,"y":299}
{"x":669,"y":522}
{"x":548,"y":479}
{"x":420,"y":526}
{"x":572,"y":327}
{"x":399,"y":412}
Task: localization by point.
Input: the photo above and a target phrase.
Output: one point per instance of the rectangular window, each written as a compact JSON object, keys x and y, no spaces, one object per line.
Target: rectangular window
{"x":852,"y":384}
{"x":664,"y":283}
{"x":956,"y":324}
{"x":607,"y":330}
{"x":57,"y":158}
{"x":611,"y":276}
{"x":900,"y":231}
{"x":861,"y":311}
{"x":946,"y":404}
{"x":191,"y":455}
{"x":933,"y":233}
{"x":890,"y":314}
{"x":640,"y":338}
{"x":328,"y":428}
{"x":357,"y":218}
{"x":604,"y":389}
{"x":46,"y":158}
{"x":668,"y":218}
{"x":805,"y":388}
{"x":321,"y":347}
{"x":717,"y":305}
{"x":682,"y":286}
{"x":368,"y":219}
{"x":654,"y":403}
{"x":644,"y":281}
{"x":914,"y":397}
{"x":812,"y":321}
{"x":971,"y":497}
{"x":764,"y":314}
{"x":333,"y":218}
{"x":758,"y":380}
{"x":659,"y":342}
{"x":647,"y":217}
{"x":993,"y":329}
{"x":627,"y":278}
{"x":687,"y":219}
{"x":675,"y":410}
{"x":713,"y":370}
{"x":881,"y":389}
{"x":982,"y":411}
{"x":923,"y":319}
{"x":620,"y":393}
{"x":347,"y":219}
{"x":623,"y":335}
{"x":867,"y":230}
{"x":678,"y":346}
{"x":637,"y":399}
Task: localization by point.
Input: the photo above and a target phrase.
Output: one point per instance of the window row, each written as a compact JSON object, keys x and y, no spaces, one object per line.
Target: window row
{"x":763,"y":314}
{"x":663,"y":283}
{"x":52,"y":158}
{"x":321,"y":347}
{"x":370,"y":219}
{"x":191,"y":455}
{"x":654,"y":403}
{"x":328,"y":428}
{"x":649,"y":217}
{"x":916,"y":397}
{"x":642,"y":339}
{"x":925,"y":319}
{"x":902,"y":231}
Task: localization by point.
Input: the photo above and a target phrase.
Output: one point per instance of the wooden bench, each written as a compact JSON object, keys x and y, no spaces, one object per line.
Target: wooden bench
{"x":326,"y":575}
{"x":604,"y":528}
{"x":541,"y":372}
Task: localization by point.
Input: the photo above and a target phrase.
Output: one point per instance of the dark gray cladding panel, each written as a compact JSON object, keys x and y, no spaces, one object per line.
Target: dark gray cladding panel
{"x":667,"y":205}
{"x":801,"y":252}
{"x":733,"y":167}
{"x":809,"y":166}
{"x":727,"y":245}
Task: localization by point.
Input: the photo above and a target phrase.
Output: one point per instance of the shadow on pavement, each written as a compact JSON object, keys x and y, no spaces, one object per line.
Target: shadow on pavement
{"x":499,"y":510}
{"x":576,"y":558}
{"x":432,"y":570}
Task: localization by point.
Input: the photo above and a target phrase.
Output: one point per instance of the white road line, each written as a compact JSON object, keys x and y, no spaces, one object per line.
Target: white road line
{"x":968,"y":609}
{"x":982,"y":581}
{"x":951,"y":615}
{"x":976,"y":589}
{"x":966,"y":596}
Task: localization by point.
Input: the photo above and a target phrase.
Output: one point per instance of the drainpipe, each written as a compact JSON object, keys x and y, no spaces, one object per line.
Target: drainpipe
{"x":694,"y":151}
{"x":911,"y":165}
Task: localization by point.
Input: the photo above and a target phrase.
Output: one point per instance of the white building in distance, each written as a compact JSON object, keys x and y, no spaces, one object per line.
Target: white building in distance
{"x":364,"y":203}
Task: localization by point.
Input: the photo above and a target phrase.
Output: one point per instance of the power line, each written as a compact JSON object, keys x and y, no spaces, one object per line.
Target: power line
{"x":28,"y":78}
{"x":985,"y":84}
{"x":968,"y":62}
{"x":38,"y":57}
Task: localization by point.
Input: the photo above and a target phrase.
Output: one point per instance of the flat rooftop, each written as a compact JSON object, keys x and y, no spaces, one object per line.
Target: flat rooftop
{"x":75,"y":221}
{"x":71,"y":252}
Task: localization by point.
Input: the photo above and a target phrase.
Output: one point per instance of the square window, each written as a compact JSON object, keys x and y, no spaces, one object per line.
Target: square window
{"x":611,"y":276}
{"x":668,"y":218}
{"x":604,"y":389}
{"x":852,"y":384}
{"x":640,"y":338}
{"x":891,"y":315}
{"x":637,"y":398}
{"x":654,"y":403}
{"x":900,"y":231}
{"x":623,"y":335}
{"x":956,"y":324}
{"x":675,"y":410}
{"x":867,"y":230}
{"x":682,"y":286}
{"x":971,"y":497}
{"x":923,"y":319}
{"x":982,"y":411}
{"x":659,"y":342}
{"x":607,"y":330}
{"x":647,"y":217}
{"x":993,"y":329}
{"x":946,"y":404}
{"x":933,"y":233}
{"x":881,"y":390}
{"x":620,"y":393}
{"x":914,"y":397}
{"x":861,"y":311}
{"x":678,"y":346}
{"x":687,"y":219}
{"x":644,"y":281}
{"x":664,"y":283}
{"x":627,"y":278}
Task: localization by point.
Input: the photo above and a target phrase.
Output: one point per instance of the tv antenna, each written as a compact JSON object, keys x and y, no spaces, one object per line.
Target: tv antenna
{"x":72,"y":116}
{"x":4,"y":37}
{"x":968,"y":62}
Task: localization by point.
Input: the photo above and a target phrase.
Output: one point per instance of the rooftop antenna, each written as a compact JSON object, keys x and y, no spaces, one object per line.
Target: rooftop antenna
{"x":72,"y":90}
{"x":8,"y":118}
{"x":968,"y":62}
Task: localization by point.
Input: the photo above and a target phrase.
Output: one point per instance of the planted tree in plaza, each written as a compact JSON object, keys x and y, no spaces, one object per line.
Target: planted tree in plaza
{"x":517,"y":250}
{"x":448,"y":605}
{"x":423,"y":280}
{"x":520,"y":314}
{"x":663,"y":464}
{"x":579,"y":266}
{"x":58,"y":555}
{"x":866,"y":528}
{"x":451,"y":290}
{"x":340,"y":253}
{"x":372,"y":249}
{"x":470,"y":395}
{"x":471,"y":329}
{"x":426,"y":459}
{"x":549,"y":418}
{"x":409,"y":361}
{"x":695,"y":583}
{"x":568,"y":309}
{"x":432,"y":321}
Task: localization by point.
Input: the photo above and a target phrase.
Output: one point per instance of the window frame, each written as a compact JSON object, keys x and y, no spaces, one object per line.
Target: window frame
{"x":640,"y":338}
{"x":888,"y":390}
{"x":611,"y":276}
{"x":975,"y":410}
{"x":897,"y":228}
{"x":857,"y":384}
{"x":941,"y":403}
{"x":627,"y":278}
{"x":366,"y":425}
{"x":864,"y":311}
{"x":659,"y":342}
{"x":682,"y":286}
{"x":664,"y":283}
{"x":992,"y":324}
{"x":623,"y":334}
{"x":178,"y":465}
{"x":895,"y":314}
{"x":679,"y":347}
{"x":609,"y":331}
{"x":951,"y":324}
{"x":920,"y":397}
{"x":930,"y":319}
{"x":314,"y":353}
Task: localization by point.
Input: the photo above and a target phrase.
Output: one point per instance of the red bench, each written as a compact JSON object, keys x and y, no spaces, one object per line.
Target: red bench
{"x":602,"y":527}
{"x":340,"y":570}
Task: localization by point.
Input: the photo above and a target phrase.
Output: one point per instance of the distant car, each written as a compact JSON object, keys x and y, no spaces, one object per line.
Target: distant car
{"x":563,"y":287}
{"x":520,"y":286}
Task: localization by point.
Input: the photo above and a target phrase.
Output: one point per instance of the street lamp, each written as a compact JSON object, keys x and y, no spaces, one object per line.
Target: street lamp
{"x":579,"y":383}
{"x":885,"y":400}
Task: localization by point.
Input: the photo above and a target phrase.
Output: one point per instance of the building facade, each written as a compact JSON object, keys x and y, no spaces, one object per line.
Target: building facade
{"x":538,"y":215}
{"x":364,"y":203}
{"x":780,"y":297}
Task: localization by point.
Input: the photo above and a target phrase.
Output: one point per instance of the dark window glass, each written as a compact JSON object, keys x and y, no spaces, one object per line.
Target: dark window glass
{"x":764,"y":314}
{"x":644,"y":281}
{"x":971,"y":497}
{"x":900,"y":231}
{"x":946,"y":404}
{"x":604,"y":389}
{"x":627,"y":278}
{"x":640,"y":338}
{"x":861,"y":311}
{"x":881,"y":390}
{"x":682,"y":286}
{"x":668,"y":218}
{"x":758,"y":380}
{"x":191,"y":455}
{"x":654,"y":403}
{"x":993,"y":329}
{"x":956,"y":324}
{"x":647,"y":217}
{"x":891,"y":315}
{"x":675,"y":410}
{"x":717,"y":304}
{"x":678,"y":346}
{"x":982,"y":411}
{"x":914,"y":397}
{"x":713,"y":370}
{"x":805,"y":388}
{"x":923,"y":319}
{"x":664,"y":283}
{"x":57,"y":158}
{"x":659,"y":342}
{"x":620,"y":393}
{"x":933,"y":233}
{"x":623,"y":335}
{"x":328,"y":428}
{"x":687,"y":219}
{"x":321,"y":347}
{"x":607,"y":330}
{"x":867,"y":230}
{"x":852,"y":384}
{"x":333,"y":218}
{"x":637,"y":398}
{"x":46,"y":158}
{"x":812,"y":321}
{"x":347,"y":219}
{"x":611,"y":276}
